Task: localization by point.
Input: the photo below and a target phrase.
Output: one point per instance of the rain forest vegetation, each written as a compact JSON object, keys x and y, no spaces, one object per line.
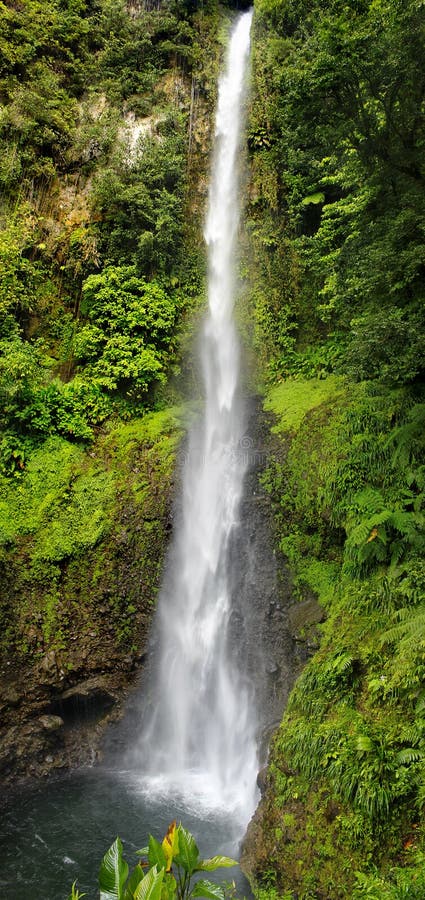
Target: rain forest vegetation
{"x":167,"y":871}
{"x":102,"y":165}
{"x":337,"y":223}
{"x":95,"y":106}
{"x":99,"y":271}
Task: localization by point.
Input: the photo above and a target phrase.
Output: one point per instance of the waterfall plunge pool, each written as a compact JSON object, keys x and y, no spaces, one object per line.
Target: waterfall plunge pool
{"x":57,"y":831}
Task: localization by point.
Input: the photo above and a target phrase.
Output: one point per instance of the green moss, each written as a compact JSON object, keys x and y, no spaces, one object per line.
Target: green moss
{"x":29,"y":501}
{"x":84,"y":528}
{"x":291,"y":400}
{"x":148,"y":429}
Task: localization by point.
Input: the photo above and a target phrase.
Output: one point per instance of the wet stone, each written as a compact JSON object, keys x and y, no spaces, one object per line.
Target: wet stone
{"x":51,"y":723}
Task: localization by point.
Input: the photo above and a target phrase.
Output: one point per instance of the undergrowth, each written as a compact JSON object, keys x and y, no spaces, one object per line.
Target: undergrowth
{"x":73,"y":524}
{"x":349,"y":756}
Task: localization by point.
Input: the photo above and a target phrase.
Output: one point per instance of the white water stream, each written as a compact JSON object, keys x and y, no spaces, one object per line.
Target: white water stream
{"x":199,"y":740}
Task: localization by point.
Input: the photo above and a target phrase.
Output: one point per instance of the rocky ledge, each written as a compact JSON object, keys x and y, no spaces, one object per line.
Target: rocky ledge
{"x":49,"y":724}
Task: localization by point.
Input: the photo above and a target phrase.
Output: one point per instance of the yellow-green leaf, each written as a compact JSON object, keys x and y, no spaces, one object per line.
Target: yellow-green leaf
{"x":170,"y":844}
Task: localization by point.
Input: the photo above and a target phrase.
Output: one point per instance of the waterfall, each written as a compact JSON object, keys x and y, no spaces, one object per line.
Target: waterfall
{"x":199,"y":737}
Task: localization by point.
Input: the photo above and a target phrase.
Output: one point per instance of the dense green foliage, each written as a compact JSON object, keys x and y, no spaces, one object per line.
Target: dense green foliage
{"x":128,"y":331}
{"x":97,"y":270}
{"x":338,"y":201}
{"x":82,"y":537}
{"x":347,"y":769}
{"x":94,"y":184}
{"x":336,"y":218}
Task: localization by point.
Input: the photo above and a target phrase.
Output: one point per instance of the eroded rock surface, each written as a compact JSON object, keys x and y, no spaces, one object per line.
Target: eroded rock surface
{"x":47,"y":725}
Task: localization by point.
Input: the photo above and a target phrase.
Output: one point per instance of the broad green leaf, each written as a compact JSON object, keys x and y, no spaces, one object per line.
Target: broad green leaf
{"x":149,"y":888}
{"x":216,"y":862}
{"x":143,"y":852}
{"x":208,"y":889}
{"x":156,"y":854}
{"x":313,"y":198}
{"x":133,"y":882}
{"x":113,"y":873}
{"x":188,"y":855}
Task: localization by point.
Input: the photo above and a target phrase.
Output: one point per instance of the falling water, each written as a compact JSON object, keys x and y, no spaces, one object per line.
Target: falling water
{"x":199,"y":740}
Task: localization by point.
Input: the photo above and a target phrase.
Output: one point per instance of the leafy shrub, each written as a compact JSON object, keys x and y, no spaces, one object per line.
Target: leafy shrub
{"x":171,"y":867}
{"x":387,"y":344}
{"x":20,"y":277}
{"x":67,"y":409}
{"x":13,"y":452}
{"x":125,"y":344}
{"x":33,"y":404}
{"x":400,"y":883}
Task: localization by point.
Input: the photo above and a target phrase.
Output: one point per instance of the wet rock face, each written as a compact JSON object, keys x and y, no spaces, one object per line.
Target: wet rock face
{"x":50,"y":723}
{"x":304,"y":619}
{"x":88,"y":701}
{"x":31,"y":747}
{"x":262,"y":588}
{"x":47,"y":726}
{"x":288,"y":633}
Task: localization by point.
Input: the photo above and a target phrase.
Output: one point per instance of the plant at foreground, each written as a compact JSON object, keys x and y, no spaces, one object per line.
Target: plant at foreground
{"x":171,"y":867}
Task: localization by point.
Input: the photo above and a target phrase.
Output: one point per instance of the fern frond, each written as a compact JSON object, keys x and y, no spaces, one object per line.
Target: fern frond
{"x":398,"y":549}
{"x":369,"y":500}
{"x":409,"y":755}
{"x":411,"y":627}
{"x":407,"y":523}
{"x":411,"y":734}
{"x":409,"y":436}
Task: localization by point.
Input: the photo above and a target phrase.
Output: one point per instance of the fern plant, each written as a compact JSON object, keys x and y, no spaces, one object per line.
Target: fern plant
{"x":408,"y":630}
{"x":383,"y":534}
{"x":409,"y":442}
